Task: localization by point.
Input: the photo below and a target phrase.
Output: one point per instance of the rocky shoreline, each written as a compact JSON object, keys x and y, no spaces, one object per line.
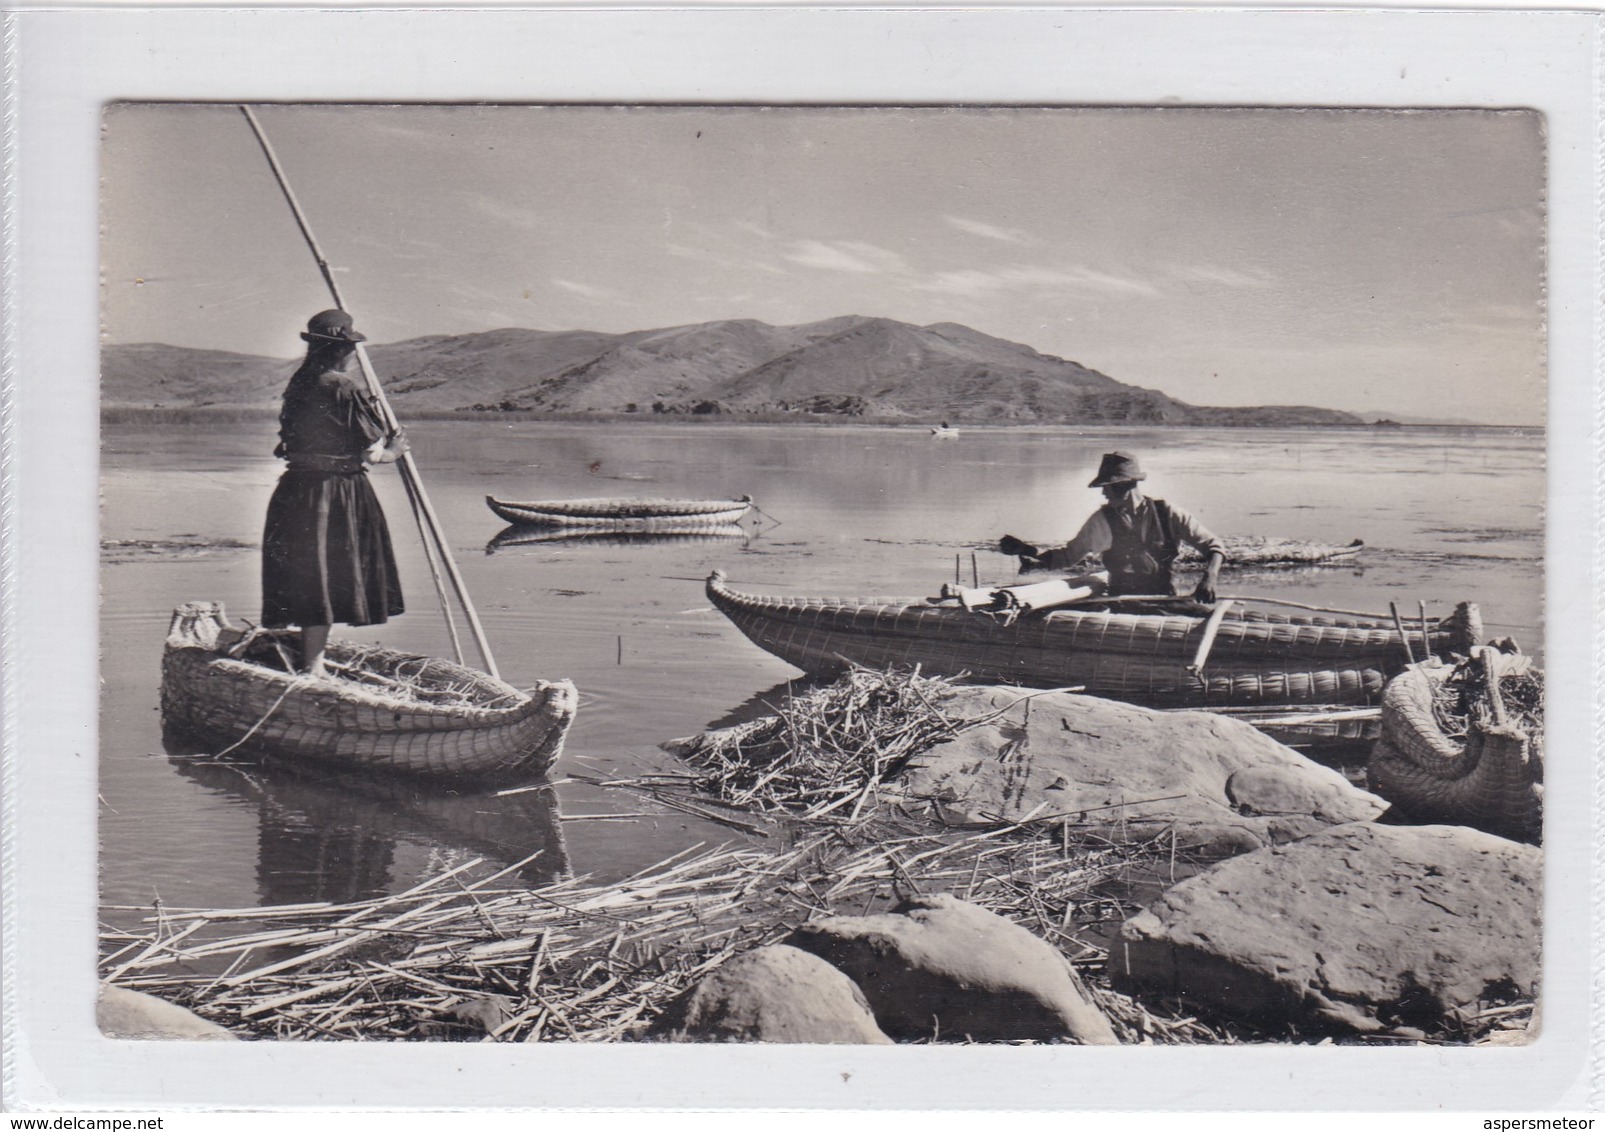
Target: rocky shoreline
{"x":942,"y":863}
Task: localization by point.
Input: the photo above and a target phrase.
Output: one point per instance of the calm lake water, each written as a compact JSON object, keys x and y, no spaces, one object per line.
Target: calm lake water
{"x":1446,"y":515}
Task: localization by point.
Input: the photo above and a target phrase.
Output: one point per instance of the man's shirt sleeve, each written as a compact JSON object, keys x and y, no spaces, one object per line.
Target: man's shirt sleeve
{"x":1188,"y":530}
{"x":1092,"y":538}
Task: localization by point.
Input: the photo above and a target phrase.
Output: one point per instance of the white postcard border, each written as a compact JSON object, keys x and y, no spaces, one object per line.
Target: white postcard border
{"x":72,"y":61}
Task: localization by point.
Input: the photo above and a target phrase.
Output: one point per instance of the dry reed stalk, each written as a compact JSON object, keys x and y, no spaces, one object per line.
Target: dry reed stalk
{"x":839,"y":740}
{"x":587,"y":962}
{"x":1460,"y":700}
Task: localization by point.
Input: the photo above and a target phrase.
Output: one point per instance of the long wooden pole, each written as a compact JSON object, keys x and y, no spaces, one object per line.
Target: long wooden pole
{"x":1206,"y":640}
{"x":409,"y":469}
{"x":1398,"y":623}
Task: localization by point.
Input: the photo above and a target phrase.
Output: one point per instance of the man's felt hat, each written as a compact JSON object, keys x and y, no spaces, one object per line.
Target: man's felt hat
{"x":331,"y":326}
{"x":1118,"y":467}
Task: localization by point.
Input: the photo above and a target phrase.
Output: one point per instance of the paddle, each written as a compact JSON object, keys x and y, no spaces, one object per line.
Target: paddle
{"x":423,"y":511}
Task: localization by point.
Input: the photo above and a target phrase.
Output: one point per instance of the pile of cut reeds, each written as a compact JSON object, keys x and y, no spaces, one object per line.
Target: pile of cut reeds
{"x":826,"y":748}
{"x":1460,"y":699}
{"x":479,"y":960}
{"x":581,"y":961}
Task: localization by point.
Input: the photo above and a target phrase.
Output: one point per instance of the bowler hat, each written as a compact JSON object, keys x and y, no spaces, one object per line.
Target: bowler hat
{"x":1117,"y":467}
{"x":331,"y":326}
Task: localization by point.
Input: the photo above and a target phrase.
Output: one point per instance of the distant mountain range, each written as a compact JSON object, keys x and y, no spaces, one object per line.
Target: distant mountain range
{"x":848,"y":367}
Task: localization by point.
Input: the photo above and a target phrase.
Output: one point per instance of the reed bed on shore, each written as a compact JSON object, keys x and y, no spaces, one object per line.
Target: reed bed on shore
{"x":822,"y":753}
{"x":582,"y":961}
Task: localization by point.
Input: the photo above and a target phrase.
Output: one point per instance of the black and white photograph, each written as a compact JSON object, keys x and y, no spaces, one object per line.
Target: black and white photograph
{"x":711,"y":586}
{"x":481,"y":467}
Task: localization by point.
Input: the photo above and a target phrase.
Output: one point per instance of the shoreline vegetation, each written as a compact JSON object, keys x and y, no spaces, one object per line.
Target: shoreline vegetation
{"x":200,"y":414}
{"x":820,"y":829}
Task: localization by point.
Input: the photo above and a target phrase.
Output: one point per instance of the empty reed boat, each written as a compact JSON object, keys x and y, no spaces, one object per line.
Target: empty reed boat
{"x":1158,"y":653}
{"x":1464,"y":744}
{"x":1270,"y":553}
{"x":665,"y":534}
{"x":1256,"y":553}
{"x":384,"y":710}
{"x":643,"y":515}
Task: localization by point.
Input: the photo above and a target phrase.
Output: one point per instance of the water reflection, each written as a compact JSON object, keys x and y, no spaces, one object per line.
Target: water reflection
{"x":689,"y":535}
{"x":336,"y":836}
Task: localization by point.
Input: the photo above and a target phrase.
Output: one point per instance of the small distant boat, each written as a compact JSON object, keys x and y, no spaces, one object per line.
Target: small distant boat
{"x":641,"y":515}
{"x":664,"y":534}
{"x":944,"y":430}
{"x":385,"y":710}
{"x":1157,"y":653}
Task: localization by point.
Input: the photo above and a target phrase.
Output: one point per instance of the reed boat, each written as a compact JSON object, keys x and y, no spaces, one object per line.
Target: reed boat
{"x":1483,"y":770}
{"x":384,"y":710}
{"x":1270,"y":553}
{"x":944,"y":432}
{"x":641,"y":515}
{"x":665,"y":534}
{"x":1255,"y":553}
{"x":1159,"y":653}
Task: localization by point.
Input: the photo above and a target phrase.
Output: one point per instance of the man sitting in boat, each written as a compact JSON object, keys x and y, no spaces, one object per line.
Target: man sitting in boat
{"x":1138,"y":537}
{"x":326,"y":554}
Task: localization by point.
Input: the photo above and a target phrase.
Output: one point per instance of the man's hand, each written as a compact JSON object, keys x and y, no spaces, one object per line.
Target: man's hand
{"x":1206,"y":588}
{"x":1008,"y":544}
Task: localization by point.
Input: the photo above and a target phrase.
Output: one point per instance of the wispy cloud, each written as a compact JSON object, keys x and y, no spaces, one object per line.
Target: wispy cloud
{"x":988,"y":231}
{"x":584,"y":289}
{"x":1023,"y":277}
{"x":703,"y":255}
{"x":399,"y":248}
{"x":1220,"y":276}
{"x":852,"y":256}
{"x":498,"y":209}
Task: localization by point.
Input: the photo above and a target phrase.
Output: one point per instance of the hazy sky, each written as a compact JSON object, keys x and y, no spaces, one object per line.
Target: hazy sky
{"x":1359,"y":260}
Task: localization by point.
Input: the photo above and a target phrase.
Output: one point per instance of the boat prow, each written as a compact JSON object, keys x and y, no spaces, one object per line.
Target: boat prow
{"x":1160,"y":654}
{"x":385,"y":711}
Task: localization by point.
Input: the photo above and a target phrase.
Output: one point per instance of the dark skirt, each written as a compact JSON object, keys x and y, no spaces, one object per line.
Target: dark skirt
{"x":326,"y":555}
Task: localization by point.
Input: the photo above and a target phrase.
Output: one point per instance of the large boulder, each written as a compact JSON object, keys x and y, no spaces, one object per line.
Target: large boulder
{"x":123,"y":1013}
{"x":936,"y":966}
{"x":1363,"y":927}
{"x":771,"y":994}
{"x":1224,"y":786}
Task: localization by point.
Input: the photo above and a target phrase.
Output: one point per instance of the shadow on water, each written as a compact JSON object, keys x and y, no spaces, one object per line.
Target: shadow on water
{"x":325,"y":835}
{"x":763,"y":703}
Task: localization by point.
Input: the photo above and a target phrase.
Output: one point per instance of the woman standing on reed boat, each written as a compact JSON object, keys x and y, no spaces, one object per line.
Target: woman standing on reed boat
{"x":326,"y":554}
{"x":1138,"y":537}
